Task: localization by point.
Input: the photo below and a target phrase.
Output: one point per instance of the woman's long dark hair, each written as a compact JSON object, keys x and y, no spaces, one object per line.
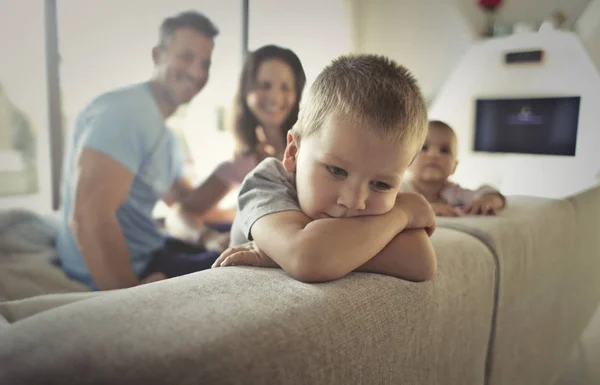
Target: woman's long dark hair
{"x":244,"y":121}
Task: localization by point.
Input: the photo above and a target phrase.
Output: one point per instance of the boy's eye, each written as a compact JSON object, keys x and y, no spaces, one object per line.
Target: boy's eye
{"x":337,"y":171}
{"x":424,"y":148}
{"x":381,"y":186}
{"x":445,"y":150}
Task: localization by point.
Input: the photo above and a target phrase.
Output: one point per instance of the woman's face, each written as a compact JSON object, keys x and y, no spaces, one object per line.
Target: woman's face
{"x":274,"y":94}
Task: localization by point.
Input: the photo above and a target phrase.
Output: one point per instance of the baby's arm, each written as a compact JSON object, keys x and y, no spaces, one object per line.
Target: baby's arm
{"x":484,"y":200}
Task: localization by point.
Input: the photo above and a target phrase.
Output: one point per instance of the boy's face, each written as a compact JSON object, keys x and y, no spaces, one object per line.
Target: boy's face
{"x":437,"y":159}
{"x":345,"y":171}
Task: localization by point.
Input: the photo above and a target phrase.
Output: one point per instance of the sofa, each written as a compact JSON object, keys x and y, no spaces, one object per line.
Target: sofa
{"x":511,"y":298}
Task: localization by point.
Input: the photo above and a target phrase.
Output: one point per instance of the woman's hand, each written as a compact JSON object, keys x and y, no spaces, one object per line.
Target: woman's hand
{"x":263,"y":149}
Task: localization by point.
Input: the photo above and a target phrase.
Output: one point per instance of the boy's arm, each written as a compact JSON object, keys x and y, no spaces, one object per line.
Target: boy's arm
{"x":328,"y":249}
{"x":409,"y":256}
{"x":324,"y":249}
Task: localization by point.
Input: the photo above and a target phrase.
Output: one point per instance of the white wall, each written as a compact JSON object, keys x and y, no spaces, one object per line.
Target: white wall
{"x":426,"y":36}
{"x":588,"y":28}
{"x":23,"y":75}
{"x":317,"y":31}
{"x":566,"y":70}
{"x":430,"y":36}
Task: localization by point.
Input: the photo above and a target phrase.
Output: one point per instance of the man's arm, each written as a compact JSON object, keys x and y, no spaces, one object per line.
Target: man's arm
{"x":101,"y":185}
{"x":198,"y":205}
{"x":410,"y":255}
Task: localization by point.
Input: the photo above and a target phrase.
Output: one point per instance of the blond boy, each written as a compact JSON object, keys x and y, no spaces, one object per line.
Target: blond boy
{"x":430,"y":172}
{"x":332,"y":205}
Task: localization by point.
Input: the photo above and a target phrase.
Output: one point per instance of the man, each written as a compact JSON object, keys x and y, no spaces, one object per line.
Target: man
{"x":123,"y":159}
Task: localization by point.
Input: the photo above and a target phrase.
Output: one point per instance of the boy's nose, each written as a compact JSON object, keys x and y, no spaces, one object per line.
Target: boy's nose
{"x":353,"y":198}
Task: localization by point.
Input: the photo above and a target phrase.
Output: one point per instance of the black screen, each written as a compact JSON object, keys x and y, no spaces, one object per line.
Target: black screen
{"x":528,"y":126}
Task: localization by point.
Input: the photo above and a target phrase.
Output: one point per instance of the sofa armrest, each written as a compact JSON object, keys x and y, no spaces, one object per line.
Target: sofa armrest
{"x":251,"y":325}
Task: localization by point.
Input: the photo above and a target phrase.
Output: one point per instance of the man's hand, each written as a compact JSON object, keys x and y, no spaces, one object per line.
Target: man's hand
{"x":418,"y":210}
{"x":445,"y":210}
{"x":486,"y":205}
{"x":247,"y":254}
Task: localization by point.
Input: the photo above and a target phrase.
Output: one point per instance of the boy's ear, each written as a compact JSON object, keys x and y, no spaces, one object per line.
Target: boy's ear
{"x":291,"y":152}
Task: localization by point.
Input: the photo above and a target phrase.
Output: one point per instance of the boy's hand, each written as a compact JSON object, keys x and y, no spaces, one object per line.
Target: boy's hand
{"x":419,"y":211}
{"x":158,"y":276}
{"x":247,"y":254}
{"x":445,"y":210}
{"x":486,"y":205}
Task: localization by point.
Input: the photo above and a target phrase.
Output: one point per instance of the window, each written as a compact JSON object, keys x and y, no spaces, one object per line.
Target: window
{"x":25,"y":178}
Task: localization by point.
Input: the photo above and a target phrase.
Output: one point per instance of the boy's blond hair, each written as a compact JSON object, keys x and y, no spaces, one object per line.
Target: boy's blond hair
{"x":370,"y":90}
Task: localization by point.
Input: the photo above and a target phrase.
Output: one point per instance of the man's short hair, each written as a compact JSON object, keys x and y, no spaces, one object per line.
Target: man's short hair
{"x":372,"y":90}
{"x":187,"y":19}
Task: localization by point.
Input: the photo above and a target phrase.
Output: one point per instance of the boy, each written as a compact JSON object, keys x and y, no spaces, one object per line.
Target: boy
{"x":429,"y":175}
{"x":332,"y":206}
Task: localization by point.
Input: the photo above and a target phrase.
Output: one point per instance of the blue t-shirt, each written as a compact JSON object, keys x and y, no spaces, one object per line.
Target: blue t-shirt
{"x":126,"y":125}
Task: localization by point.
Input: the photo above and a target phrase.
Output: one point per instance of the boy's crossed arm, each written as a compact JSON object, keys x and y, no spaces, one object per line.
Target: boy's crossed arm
{"x":328,"y":249}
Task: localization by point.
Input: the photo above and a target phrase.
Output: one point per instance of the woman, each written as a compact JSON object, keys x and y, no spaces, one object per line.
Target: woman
{"x":265,"y":107}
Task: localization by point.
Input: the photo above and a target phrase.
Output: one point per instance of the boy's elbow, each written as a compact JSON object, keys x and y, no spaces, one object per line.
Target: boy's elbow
{"x":427,"y":268}
{"x":306,"y":268}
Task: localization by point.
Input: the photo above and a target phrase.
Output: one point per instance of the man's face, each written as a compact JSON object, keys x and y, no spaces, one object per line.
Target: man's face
{"x":345,"y":171}
{"x":437,"y":159}
{"x":182,"y":66}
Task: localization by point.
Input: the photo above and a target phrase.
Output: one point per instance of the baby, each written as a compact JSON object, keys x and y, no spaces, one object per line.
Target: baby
{"x":332,"y":206}
{"x":429,"y":173}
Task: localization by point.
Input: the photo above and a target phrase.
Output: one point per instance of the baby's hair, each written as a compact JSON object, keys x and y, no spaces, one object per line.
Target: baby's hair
{"x":369,"y":90}
{"x":441,"y":124}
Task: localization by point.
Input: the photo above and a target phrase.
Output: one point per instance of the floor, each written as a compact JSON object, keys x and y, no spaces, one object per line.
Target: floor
{"x":583,"y":367}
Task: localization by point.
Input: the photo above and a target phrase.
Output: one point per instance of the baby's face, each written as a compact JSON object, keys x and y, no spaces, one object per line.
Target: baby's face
{"x":437,"y":159}
{"x":345,"y":171}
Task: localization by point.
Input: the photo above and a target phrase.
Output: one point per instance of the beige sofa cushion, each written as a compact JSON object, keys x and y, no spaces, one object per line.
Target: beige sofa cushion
{"x":547,"y":289}
{"x":24,"y":275}
{"x":242,"y":325}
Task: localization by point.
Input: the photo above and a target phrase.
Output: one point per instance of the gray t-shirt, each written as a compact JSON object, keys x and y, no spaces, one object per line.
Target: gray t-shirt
{"x":267,"y":189}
